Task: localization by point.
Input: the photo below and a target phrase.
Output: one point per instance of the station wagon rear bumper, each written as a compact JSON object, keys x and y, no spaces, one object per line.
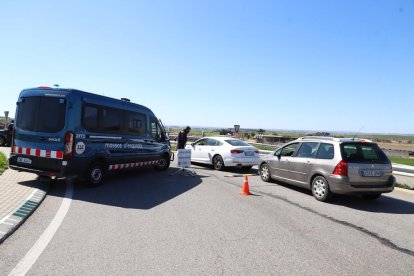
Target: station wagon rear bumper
{"x":341,"y":185}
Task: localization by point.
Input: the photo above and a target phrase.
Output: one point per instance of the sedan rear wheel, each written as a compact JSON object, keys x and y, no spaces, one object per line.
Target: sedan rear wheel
{"x":320,"y":188}
{"x":218,"y":163}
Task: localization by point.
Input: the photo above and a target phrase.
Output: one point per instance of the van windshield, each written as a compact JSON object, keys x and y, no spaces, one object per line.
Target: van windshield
{"x":42,"y":114}
{"x":363,"y":153}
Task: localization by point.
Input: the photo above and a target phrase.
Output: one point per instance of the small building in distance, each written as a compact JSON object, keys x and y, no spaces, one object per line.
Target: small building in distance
{"x":273,"y":139}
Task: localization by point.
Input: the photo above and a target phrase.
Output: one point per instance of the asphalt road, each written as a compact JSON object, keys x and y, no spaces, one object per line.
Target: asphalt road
{"x":147,"y":222}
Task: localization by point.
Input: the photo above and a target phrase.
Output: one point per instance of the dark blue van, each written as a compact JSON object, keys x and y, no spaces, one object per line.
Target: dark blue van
{"x":70,"y":133}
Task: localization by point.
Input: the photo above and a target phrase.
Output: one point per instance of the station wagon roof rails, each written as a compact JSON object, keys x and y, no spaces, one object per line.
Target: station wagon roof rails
{"x":355,"y":140}
{"x":319,"y":138}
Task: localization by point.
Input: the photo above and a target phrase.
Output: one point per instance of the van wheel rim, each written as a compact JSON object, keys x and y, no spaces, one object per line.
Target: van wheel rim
{"x":96,"y":175}
{"x":319,"y":188}
{"x":265,"y":172}
{"x":162,"y":163}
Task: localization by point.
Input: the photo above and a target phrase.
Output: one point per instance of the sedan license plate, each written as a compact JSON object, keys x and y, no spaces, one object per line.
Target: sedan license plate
{"x":249,"y":153}
{"x":24,"y":160}
{"x":372,"y":173}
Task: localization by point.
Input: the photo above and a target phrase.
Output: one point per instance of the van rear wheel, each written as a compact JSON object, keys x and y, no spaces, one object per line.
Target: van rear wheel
{"x":95,"y":174}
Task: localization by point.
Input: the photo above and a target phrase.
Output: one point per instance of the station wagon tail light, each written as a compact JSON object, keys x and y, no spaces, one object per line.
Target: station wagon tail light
{"x":236,"y":151}
{"x":69,"y":144}
{"x":341,"y":169}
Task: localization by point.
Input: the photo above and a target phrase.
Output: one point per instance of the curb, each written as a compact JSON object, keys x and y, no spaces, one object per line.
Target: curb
{"x":16,"y":218}
{"x":404,"y":190}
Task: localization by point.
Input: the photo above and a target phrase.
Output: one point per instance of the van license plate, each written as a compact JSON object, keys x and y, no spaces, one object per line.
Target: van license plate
{"x":24,"y":160}
{"x":372,"y":173}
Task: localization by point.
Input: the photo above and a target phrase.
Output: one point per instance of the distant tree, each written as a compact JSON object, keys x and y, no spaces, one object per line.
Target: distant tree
{"x":223,"y":131}
{"x":261,"y":130}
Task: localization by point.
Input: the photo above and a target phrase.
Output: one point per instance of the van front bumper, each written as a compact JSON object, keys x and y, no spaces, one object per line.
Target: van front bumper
{"x":342,"y":185}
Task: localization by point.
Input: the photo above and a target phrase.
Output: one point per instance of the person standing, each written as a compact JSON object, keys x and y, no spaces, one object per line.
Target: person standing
{"x":182,"y":137}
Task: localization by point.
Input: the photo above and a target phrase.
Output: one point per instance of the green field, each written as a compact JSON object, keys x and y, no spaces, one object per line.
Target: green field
{"x":3,"y":163}
{"x":402,"y":161}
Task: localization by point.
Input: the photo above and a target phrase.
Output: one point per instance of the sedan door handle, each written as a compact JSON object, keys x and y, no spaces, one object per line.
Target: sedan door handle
{"x":309,"y":163}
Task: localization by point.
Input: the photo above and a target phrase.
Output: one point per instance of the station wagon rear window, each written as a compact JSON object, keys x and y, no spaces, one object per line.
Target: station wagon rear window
{"x":41,"y":114}
{"x":363,"y":153}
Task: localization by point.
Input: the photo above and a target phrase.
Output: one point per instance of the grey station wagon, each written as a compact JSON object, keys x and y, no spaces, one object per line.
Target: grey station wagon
{"x":329,"y":166}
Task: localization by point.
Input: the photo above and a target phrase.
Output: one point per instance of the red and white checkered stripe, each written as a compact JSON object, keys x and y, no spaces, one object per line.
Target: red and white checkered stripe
{"x":38,"y":152}
{"x":115,"y":167}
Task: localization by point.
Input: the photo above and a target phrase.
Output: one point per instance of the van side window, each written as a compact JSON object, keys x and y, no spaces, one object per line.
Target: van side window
{"x":111,"y":119}
{"x":136,"y":123}
{"x":156,"y":131}
{"x":326,"y":151}
{"x":90,"y":118}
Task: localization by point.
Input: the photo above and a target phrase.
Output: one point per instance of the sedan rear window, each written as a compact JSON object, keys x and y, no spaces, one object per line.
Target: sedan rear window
{"x":363,"y":153}
{"x":237,"y":143}
{"x":41,"y":114}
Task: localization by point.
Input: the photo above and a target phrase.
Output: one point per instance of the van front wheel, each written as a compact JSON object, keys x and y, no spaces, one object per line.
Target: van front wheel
{"x":163,"y":163}
{"x":95,"y":174}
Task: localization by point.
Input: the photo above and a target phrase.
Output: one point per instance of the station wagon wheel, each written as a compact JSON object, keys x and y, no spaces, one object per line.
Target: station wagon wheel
{"x":2,"y":141}
{"x":163,"y":163}
{"x":264,"y":172}
{"x":218,"y":163}
{"x":95,"y":174}
{"x":320,"y":188}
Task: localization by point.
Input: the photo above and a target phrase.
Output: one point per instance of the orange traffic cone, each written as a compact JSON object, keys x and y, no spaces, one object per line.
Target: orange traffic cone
{"x":245,"y":190}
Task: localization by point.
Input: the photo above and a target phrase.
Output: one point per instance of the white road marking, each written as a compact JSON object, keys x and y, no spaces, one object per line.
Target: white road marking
{"x":34,"y":253}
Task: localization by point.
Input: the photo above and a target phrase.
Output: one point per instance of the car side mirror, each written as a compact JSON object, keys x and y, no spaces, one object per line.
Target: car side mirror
{"x":277,"y":155}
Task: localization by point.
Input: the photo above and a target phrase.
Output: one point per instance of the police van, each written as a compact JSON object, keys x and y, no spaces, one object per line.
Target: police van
{"x":71,"y":133}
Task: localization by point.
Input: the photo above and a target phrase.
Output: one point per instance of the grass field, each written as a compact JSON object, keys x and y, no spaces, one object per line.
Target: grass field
{"x":3,"y":163}
{"x":402,"y":161}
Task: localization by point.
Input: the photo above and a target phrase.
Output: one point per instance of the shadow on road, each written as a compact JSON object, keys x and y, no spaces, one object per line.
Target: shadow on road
{"x":137,"y":189}
{"x":385,"y":204}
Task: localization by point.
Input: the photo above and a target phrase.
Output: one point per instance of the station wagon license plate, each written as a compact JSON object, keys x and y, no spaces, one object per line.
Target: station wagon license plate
{"x":249,"y":153}
{"x":372,"y":173}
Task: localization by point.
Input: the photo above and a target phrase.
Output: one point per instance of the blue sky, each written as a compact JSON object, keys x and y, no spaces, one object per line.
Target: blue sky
{"x":313,"y":65}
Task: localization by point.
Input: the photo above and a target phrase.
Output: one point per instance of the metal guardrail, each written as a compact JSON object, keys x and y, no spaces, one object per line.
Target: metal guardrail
{"x":397,"y":168}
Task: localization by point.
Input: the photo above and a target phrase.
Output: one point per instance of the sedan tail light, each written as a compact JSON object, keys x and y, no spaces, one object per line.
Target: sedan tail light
{"x":236,"y":151}
{"x":341,"y":169}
